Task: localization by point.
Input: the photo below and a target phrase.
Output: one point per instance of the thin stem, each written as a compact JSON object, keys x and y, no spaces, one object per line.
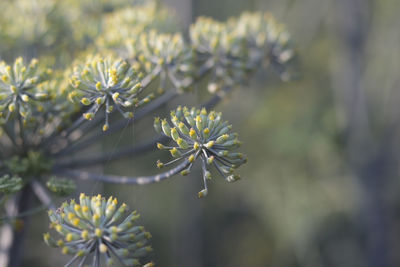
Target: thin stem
{"x":70,"y":148}
{"x":3,"y":200}
{"x":24,"y":214}
{"x":15,"y":251}
{"x":42,"y":194}
{"x":9,"y":135}
{"x":82,"y":261}
{"x":131,"y":151}
{"x":67,"y":132}
{"x":21,"y":131}
{"x":71,"y":261}
{"x":140,"y":180}
{"x":78,"y":123}
{"x":96,"y":261}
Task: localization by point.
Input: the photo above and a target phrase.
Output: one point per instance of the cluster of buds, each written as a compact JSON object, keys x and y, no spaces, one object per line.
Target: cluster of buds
{"x":162,"y":54}
{"x":236,"y":48}
{"x":220,"y":43}
{"x":104,"y":82}
{"x":10,"y":184}
{"x":18,"y":87}
{"x":97,"y":228}
{"x":267,"y":39}
{"x":204,"y":136}
{"x":209,"y":36}
{"x":61,"y":186}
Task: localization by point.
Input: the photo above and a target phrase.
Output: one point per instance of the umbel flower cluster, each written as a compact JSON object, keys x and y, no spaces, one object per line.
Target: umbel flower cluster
{"x":19,"y":86}
{"x":108,"y":83}
{"x":95,"y":228}
{"x":133,"y":21}
{"x":204,"y":136}
{"x":53,"y":110}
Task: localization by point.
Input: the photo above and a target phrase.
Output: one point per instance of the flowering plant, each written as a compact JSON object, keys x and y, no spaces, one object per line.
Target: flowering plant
{"x":48,"y":114}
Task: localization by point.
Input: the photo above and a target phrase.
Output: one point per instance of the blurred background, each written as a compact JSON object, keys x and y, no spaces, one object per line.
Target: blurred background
{"x":321,"y":186}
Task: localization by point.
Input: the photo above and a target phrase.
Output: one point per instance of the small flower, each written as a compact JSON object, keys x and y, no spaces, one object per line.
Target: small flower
{"x":203,"y":135}
{"x":110,"y":84}
{"x":97,"y":228}
{"x":18,"y":86}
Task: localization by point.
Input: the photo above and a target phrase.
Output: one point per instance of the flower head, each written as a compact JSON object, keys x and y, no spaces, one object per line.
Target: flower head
{"x":18,"y":87}
{"x":98,"y":228}
{"x":221,"y":44}
{"x":204,"y":136}
{"x":108,"y":83}
{"x":238,"y":47}
{"x":126,"y":22}
{"x":162,"y":54}
{"x":210,"y":36}
{"x":267,"y":39}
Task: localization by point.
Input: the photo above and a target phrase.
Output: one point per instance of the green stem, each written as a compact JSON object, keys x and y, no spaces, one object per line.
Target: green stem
{"x":140,"y":180}
{"x":24,"y":214}
{"x":15,"y":250}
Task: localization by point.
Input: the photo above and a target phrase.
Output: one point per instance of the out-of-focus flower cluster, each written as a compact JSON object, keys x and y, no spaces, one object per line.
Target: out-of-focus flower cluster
{"x":164,"y":55}
{"x":268,"y":37}
{"x":236,"y":48}
{"x":223,"y":53}
{"x":97,"y":228}
{"x":19,"y":87}
{"x":201,"y":136}
{"x":109,"y":83}
{"x":131,"y":22}
{"x":39,"y":25}
{"x":52,"y":27}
